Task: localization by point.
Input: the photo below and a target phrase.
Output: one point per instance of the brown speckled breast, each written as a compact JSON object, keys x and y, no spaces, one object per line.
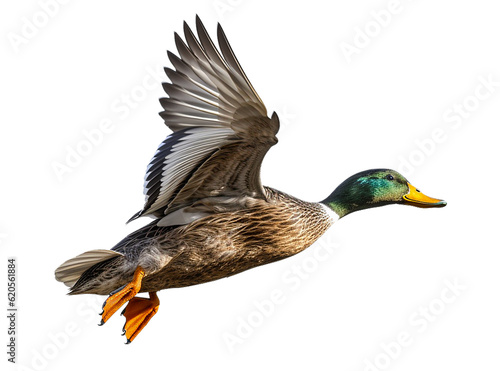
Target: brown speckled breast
{"x":228,"y":243}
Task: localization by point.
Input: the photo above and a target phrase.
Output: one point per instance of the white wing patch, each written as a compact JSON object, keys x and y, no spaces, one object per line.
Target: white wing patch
{"x":184,"y":156}
{"x":180,"y":217}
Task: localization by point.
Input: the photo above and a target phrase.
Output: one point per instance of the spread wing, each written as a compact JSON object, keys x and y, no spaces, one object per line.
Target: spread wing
{"x":221,"y":132}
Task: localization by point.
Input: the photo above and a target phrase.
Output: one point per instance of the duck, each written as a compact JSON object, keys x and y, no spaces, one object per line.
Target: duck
{"x":212,"y":217}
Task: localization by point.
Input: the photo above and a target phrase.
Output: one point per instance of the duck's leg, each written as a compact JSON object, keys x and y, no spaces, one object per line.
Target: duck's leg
{"x":118,"y":298}
{"x":138,"y":313}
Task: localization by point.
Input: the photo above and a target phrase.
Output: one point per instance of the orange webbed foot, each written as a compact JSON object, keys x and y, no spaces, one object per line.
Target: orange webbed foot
{"x":138,"y":313}
{"x":117,"y":299}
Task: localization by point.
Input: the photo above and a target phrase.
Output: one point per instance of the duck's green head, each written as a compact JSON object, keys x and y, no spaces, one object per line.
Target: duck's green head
{"x":376,"y":187}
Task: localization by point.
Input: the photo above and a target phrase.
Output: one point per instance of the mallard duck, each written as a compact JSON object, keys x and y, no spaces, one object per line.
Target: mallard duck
{"x":212,"y":216}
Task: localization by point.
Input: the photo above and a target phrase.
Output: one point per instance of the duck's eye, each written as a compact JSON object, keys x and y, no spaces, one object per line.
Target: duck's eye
{"x":389,"y":177}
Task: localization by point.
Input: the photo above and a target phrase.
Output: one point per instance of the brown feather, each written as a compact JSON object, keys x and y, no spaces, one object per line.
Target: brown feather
{"x":216,"y":246}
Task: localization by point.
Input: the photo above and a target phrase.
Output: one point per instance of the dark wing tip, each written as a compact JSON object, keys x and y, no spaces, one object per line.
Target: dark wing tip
{"x":200,"y":27}
{"x":275,"y":121}
{"x":134,"y":217}
{"x":198,"y":21}
{"x":220,"y":33}
{"x":186,"y":28}
{"x":219,"y":28}
{"x":177,"y":38}
{"x":222,"y":39}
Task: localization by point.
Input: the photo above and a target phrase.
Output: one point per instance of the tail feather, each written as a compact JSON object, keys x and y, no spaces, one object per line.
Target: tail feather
{"x":70,"y":271}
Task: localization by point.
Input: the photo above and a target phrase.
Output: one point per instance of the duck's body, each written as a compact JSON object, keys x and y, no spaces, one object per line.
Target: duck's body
{"x":214,"y":218}
{"x":213,"y":247}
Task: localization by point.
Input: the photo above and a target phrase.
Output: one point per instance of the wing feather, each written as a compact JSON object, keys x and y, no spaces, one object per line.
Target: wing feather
{"x":221,"y":131}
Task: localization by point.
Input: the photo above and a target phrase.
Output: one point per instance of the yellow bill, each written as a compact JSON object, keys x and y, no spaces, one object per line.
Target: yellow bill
{"x":416,"y":198}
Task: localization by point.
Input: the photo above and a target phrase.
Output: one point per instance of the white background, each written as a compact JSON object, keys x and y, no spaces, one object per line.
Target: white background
{"x":338,"y":117}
